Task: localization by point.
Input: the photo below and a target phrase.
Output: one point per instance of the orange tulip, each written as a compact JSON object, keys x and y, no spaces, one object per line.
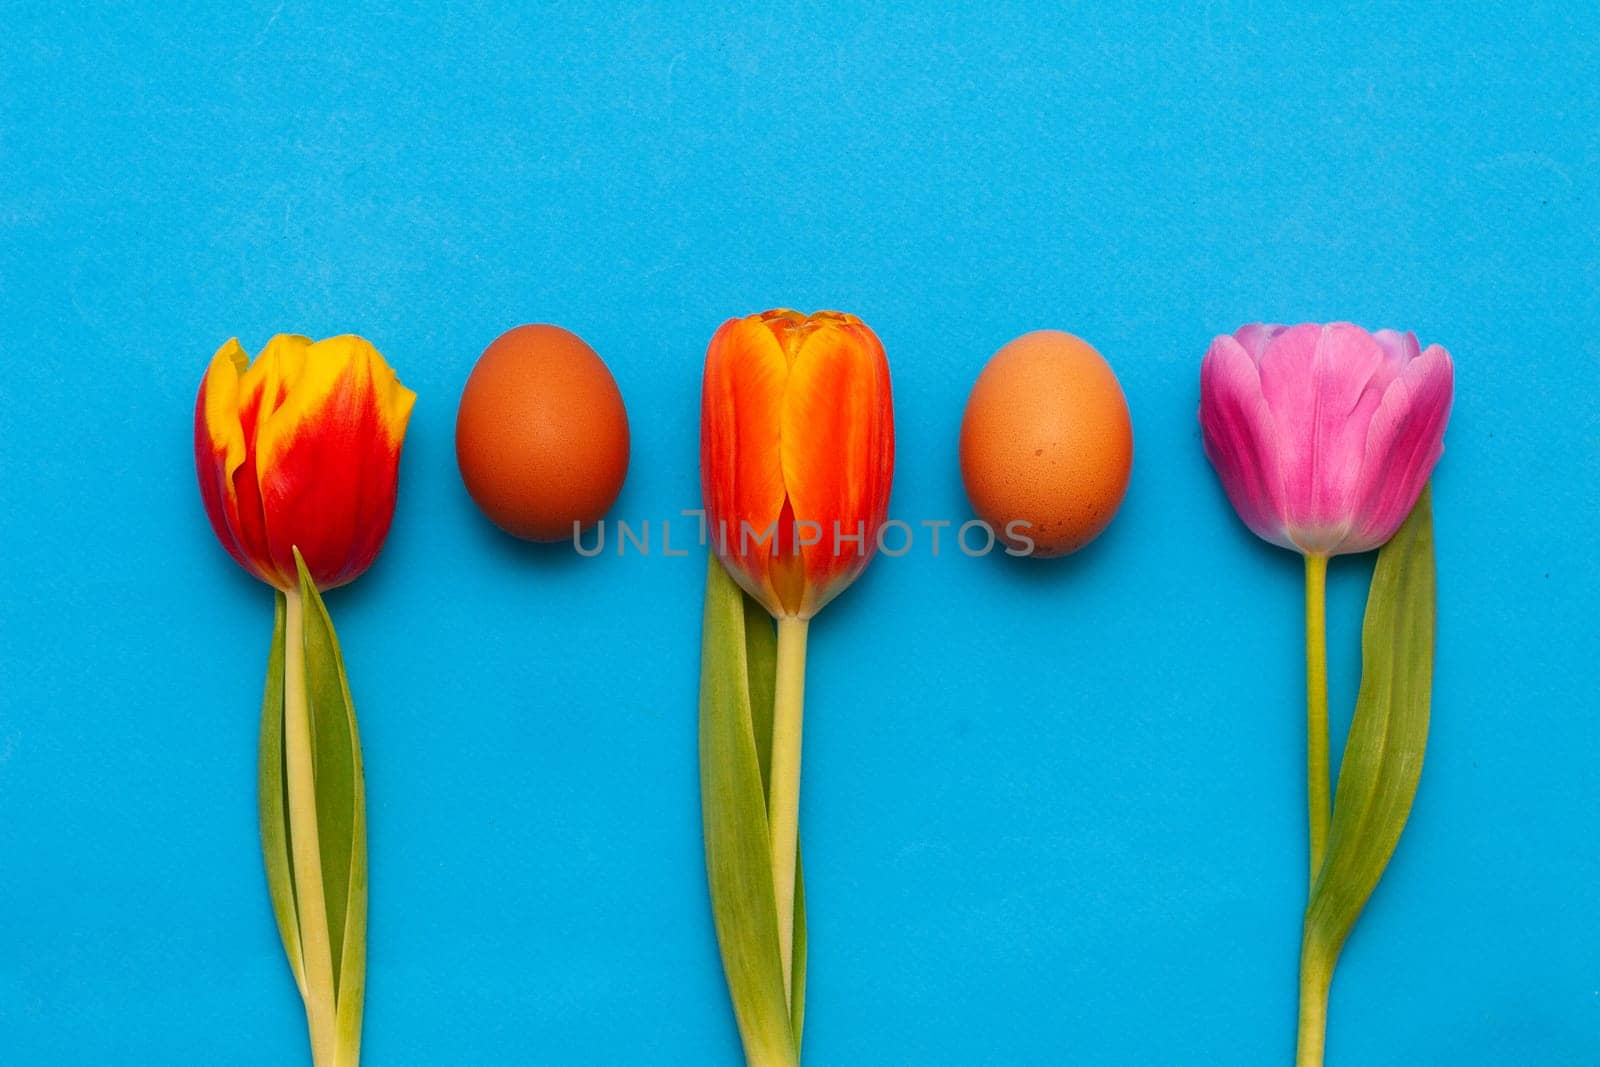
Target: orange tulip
{"x":301,"y":449}
{"x":796,"y":457}
{"x":796,"y":454}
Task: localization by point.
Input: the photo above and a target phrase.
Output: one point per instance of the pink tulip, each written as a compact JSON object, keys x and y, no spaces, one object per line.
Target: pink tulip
{"x":1323,"y":436}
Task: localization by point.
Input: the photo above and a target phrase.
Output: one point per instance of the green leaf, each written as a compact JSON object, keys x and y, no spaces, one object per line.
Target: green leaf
{"x":341,"y":805}
{"x":761,"y":669}
{"x":798,"y":966}
{"x":273,"y":804}
{"x":1383,"y":756}
{"x":761,"y":661}
{"x":734,"y":809}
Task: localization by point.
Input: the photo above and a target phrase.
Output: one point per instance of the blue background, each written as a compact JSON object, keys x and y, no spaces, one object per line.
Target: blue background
{"x":1052,"y":812}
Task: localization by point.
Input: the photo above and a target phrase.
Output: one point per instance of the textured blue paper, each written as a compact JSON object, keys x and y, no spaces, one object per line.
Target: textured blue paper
{"x":1052,"y":813}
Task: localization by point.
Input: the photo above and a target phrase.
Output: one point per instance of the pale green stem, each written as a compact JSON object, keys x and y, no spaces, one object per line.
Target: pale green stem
{"x":783,"y":798}
{"x":1318,"y":775}
{"x":347,"y":1052}
{"x":1315,"y":976}
{"x":311,"y":904}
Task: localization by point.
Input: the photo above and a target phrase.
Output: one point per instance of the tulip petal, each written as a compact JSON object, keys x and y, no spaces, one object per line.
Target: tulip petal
{"x":219,"y":404}
{"x":1400,"y":347}
{"x":742,"y":474}
{"x":1256,"y":337}
{"x":1354,"y":371}
{"x":261,"y":391}
{"x":392,"y":404}
{"x":327,"y":454}
{"x":1323,"y":384}
{"x":220,"y":448}
{"x":1241,"y":439}
{"x":838,"y":454}
{"x":1404,"y":441}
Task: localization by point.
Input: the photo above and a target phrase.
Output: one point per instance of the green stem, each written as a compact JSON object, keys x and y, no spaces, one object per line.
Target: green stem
{"x":783,"y":798}
{"x":1318,"y":776}
{"x":1315,"y":977}
{"x":311,"y":906}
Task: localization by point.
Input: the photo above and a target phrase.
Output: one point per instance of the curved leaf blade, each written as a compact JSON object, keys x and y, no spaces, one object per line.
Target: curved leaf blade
{"x":272,"y":804}
{"x":761,"y":665}
{"x":761,"y":676}
{"x":341,"y":807}
{"x":1388,"y":735}
{"x":336,"y":767}
{"x":733,"y":810}
{"x":797,"y":972}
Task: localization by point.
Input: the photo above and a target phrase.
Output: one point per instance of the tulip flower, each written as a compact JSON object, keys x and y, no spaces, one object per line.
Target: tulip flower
{"x":301,"y":449}
{"x":1324,"y":438}
{"x":297,"y":456}
{"x":796,"y":454}
{"x":796,"y":460}
{"x":1324,"y":435}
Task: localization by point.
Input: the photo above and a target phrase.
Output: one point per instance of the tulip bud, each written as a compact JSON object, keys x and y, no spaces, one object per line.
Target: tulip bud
{"x":796,"y":454}
{"x":1323,"y":436}
{"x":301,"y":449}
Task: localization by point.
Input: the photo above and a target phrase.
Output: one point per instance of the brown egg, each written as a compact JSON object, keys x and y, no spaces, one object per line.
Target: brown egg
{"x":1046,"y":440}
{"x":541,"y":435}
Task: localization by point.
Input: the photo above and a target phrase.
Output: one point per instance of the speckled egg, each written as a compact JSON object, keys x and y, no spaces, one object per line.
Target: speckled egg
{"x":1046,"y":444}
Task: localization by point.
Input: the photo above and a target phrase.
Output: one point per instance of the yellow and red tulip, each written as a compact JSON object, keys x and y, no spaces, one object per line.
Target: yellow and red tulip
{"x":301,"y":449}
{"x":797,"y":438}
{"x":297,"y":456}
{"x":796,"y":460}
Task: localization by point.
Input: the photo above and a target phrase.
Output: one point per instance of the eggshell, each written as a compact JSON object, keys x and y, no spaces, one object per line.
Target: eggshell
{"x":1046,"y":439}
{"x":542,"y":434}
